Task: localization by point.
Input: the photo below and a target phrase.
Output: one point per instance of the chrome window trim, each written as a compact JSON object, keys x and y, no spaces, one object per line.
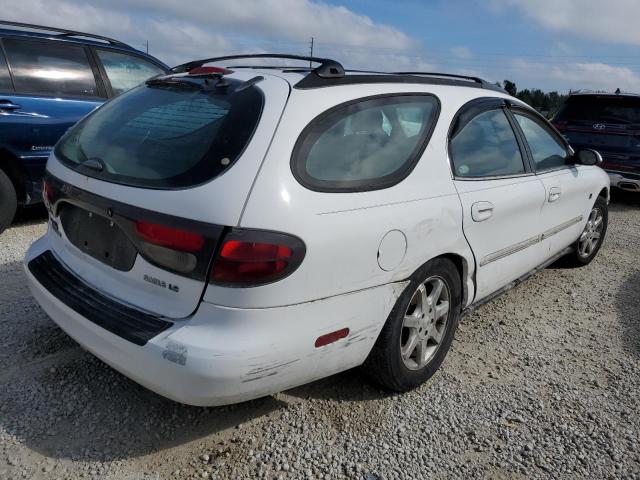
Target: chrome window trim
{"x":495,"y":177}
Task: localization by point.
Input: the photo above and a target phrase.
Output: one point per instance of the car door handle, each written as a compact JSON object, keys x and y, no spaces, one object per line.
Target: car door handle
{"x":554,"y":194}
{"x":481,"y":211}
{"x":9,"y":105}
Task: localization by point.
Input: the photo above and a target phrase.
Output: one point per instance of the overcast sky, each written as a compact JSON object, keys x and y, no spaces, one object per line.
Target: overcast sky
{"x":550,"y":44}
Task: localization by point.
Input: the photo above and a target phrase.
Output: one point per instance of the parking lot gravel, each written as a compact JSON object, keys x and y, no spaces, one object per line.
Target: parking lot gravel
{"x":544,"y":382}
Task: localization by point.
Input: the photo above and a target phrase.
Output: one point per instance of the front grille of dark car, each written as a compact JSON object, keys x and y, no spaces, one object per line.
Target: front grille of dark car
{"x":126,"y":322}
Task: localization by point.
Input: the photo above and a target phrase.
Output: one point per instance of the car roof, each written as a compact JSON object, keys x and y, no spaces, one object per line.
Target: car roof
{"x":15,"y":29}
{"x":330,"y":73}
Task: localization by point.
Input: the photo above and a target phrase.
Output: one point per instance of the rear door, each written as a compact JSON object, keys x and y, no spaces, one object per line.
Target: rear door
{"x":566,"y":185}
{"x":144,"y":187}
{"x":501,"y":198}
{"x":52,"y":85}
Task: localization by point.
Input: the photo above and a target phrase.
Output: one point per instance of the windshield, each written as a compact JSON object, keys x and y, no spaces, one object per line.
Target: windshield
{"x":165,"y":134}
{"x":605,"y":109}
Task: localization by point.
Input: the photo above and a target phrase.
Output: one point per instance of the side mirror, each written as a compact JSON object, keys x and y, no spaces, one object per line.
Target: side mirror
{"x":588,"y":156}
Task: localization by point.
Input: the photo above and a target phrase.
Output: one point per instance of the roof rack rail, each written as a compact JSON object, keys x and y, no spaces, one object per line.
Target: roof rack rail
{"x":63,"y":32}
{"x":327,"y":69}
{"x":450,"y":75}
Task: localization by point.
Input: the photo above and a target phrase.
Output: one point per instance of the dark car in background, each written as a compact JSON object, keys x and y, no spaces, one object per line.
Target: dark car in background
{"x":610,"y":124}
{"x":49,"y":79}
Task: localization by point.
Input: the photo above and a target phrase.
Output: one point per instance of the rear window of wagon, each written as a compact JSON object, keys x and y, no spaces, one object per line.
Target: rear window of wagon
{"x":165,"y":134}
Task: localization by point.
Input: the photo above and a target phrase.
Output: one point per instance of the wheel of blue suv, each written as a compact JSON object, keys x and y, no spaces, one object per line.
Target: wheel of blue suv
{"x":8,"y":201}
{"x":419,"y":330}
{"x":591,"y":238}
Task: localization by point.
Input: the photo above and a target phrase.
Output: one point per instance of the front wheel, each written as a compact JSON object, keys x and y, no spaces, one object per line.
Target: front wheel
{"x":591,"y":238}
{"x":419,"y":330}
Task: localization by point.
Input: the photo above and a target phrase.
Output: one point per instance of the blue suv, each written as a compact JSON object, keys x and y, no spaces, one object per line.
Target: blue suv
{"x":49,"y":79}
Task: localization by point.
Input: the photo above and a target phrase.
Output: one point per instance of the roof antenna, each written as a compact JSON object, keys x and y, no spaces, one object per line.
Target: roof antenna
{"x":617,"y":91}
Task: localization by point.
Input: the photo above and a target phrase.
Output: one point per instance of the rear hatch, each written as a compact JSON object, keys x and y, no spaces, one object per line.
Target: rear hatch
{"x":141,"y":191}
{"x":607,"y":123}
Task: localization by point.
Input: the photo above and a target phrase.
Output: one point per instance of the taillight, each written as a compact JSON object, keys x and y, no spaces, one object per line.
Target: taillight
{"x":169,"y":237}
{"x":168,"y":246}
{"x":47,"y":192}
{"x":255,"y":257}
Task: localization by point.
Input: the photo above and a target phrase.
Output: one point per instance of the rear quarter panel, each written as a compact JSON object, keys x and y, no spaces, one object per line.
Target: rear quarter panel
{"x":343,"y":231}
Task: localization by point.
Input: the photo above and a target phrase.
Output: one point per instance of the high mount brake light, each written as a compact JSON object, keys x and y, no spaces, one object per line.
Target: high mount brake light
{"x":253,"y":257}
{"x":169,"y":237}
{"x":205,"y":70}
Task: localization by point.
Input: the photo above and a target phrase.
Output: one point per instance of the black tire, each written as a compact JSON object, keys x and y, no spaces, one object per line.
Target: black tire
{"x":577,"y":257}
{"x":8,"y":201}
{"x":385,"y":364}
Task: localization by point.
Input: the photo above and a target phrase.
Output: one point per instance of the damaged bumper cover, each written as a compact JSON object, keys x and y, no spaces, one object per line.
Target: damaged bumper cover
{"x":222,"y":355}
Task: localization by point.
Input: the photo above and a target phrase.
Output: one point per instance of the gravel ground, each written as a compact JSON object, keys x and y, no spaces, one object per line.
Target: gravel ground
{"x":543,"y":382}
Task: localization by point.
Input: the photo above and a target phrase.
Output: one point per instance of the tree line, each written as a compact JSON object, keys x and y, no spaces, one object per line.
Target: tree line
{"x":541,"y":101}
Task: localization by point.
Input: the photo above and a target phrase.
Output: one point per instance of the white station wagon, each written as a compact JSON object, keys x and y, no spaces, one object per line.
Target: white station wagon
{"x":223,"y":233}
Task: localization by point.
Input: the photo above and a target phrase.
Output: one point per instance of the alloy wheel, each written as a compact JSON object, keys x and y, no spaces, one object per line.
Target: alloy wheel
{"x":425,"y":323}
{"x":590,"y":237}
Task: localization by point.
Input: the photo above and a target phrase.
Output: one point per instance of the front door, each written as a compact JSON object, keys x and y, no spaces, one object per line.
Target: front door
{"x":565,"y":184}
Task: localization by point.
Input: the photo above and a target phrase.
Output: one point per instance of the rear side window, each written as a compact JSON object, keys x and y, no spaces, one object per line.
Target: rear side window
{"x":173,"y":134}
{"x":486,"y":147}
{"x":546,"y":149}
{"x":126,"y":71}
{"x":5,"y":78}
{"x":50,"y":68}
{"x":365,"y":145}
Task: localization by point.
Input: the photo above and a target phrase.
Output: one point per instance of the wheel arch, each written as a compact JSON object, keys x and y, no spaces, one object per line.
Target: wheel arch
{"x":10,"y":165}
{"x":462,"y":265}
{"x":605,"y":193}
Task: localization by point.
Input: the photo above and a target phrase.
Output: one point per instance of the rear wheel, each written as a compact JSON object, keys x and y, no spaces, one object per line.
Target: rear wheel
{"x":591,"y":238}
{"x":8,"y":201}
{"x":419,"y":330}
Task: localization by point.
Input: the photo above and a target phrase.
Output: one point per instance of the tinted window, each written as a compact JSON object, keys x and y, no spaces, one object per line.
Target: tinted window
{"x":486,"y":146}
{"x":50,"y":68}
{"x":166,"y":135}
{"x":5,"y":79}
{"x":605,"y":109}
{"x":546,"y":149}
{"x":365,"y":145}
{"x":126,"y":71}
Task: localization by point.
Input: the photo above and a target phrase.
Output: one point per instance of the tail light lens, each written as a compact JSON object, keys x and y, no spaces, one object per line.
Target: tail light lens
{"x":254,"y":257}
{"x":169,"y":237}
{"x":47,"y":192}
{"x":170,"y":247}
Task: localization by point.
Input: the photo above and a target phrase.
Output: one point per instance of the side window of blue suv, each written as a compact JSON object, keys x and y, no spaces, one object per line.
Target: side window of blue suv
{"x":49,"y":68}
{"x":5,"y":78}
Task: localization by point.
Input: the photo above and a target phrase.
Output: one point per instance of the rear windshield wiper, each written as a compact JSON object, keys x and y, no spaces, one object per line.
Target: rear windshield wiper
{"x":94,"y":163}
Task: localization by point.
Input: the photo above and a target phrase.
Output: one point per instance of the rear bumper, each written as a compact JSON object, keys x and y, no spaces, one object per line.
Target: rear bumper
{"x":224,"y":355}
{"x":624,"y":181}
